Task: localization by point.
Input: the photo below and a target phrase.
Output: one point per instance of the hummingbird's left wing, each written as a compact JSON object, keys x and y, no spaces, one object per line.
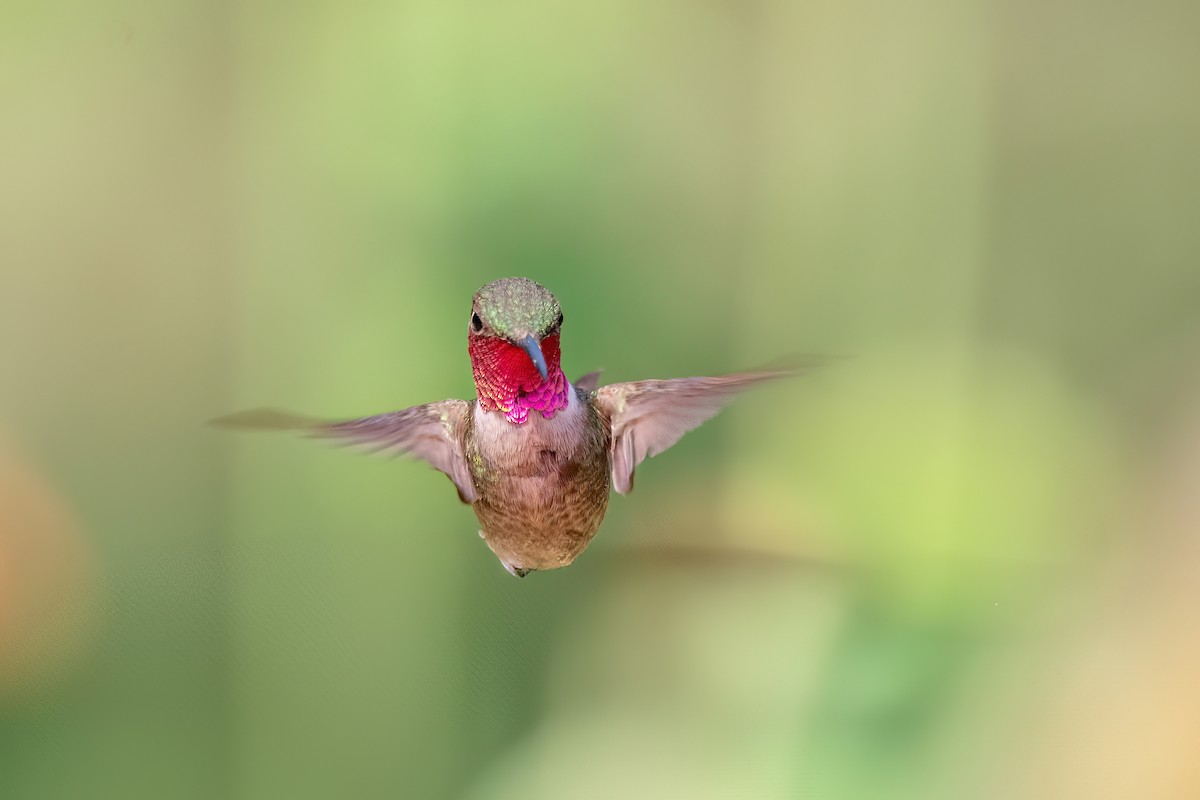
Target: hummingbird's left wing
{"x":647,"y":417}
{"x":432,"y":432}
{"x":588,"y":383}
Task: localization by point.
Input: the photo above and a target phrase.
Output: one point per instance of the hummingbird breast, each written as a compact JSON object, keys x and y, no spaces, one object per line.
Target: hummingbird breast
{"x":542,"y":485}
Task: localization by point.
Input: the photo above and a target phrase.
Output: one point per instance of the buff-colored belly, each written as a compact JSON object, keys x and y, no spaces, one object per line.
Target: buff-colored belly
{"x":545,"y":521}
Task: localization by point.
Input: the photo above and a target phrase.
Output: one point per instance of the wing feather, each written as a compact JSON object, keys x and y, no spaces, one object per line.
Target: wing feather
{"x":432,"y":432}
{"x":647,"y":417}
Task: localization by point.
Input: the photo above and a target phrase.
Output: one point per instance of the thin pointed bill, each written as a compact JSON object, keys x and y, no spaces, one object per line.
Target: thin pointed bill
{"x":530,"y":345}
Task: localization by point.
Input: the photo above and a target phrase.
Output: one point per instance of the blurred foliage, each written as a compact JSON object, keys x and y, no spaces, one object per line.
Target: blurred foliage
{"x":959,"y":562}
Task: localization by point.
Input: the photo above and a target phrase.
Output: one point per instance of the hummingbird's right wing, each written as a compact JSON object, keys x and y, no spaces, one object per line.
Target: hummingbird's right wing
{"x":647,"y":417}
{"x":432,"y":432}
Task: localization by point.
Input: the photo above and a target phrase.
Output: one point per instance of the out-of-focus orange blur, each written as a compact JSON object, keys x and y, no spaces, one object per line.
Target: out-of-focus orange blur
{"x":47,"y":602}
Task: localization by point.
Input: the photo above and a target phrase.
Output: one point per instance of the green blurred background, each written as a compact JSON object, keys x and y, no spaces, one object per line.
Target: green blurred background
{"x":963,"y":562}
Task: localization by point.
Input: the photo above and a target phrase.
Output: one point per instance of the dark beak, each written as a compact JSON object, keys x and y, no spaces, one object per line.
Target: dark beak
{"x":530,"y":345}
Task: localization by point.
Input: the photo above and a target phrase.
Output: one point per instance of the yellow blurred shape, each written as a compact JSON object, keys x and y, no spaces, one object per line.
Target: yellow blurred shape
{"x":952,"y":479}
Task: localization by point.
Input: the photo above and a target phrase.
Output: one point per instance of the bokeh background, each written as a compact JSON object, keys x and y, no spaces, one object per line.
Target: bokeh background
{"x":962,"y":561}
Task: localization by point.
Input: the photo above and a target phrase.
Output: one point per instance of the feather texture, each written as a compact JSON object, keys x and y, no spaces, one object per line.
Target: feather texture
{"x":647,"y":417}
{"x":432,"y":432}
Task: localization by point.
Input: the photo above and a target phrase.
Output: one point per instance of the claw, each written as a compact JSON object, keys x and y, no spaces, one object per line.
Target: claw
{"x":520,"y":572}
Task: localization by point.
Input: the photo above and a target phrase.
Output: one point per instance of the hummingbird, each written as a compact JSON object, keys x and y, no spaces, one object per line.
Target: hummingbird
{"x":534,"y":455}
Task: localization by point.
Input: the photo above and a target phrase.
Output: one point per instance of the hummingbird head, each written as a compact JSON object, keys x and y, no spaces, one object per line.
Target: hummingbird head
{"x":513,"y":338}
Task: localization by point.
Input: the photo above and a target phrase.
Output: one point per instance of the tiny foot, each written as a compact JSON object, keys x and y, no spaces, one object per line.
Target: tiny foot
{"x":520,"y":572}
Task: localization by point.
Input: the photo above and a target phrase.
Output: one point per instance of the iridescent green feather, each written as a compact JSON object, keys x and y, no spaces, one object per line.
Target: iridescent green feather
{"x":517,"y":305}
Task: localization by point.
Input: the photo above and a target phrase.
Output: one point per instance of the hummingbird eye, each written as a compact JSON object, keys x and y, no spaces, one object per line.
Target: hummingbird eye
{"x":560,"y":319}
{"x":476,"y":323}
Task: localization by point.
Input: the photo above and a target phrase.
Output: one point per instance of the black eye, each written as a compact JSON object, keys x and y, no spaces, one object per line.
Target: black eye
{"x":476,"y":323}
{"x":559,"y":323}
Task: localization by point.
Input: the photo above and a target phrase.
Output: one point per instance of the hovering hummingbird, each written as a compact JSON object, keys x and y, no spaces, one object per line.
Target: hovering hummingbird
{"x":534,"y":455}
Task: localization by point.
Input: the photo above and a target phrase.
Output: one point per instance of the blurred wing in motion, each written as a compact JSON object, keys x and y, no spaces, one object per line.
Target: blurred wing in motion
{"x":432,"y":432}
{"x":649,"y":416}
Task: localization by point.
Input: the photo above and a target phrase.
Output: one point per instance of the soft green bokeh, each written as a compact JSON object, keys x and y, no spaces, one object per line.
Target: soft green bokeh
{"x":958,"y":561}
